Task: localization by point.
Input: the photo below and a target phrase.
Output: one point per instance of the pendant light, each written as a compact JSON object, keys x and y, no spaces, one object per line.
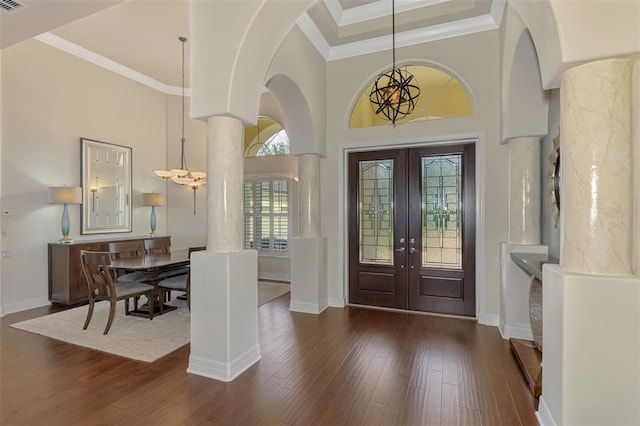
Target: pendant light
{"x":181,"y":174}
{"x":395,"y":93}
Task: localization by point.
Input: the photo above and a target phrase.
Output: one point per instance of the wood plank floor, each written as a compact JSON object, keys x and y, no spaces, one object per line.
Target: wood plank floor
{"x":348,"y":366}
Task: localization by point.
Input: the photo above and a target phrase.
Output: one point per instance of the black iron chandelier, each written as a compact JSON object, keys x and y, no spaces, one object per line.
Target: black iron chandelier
{"x":395,"y":93}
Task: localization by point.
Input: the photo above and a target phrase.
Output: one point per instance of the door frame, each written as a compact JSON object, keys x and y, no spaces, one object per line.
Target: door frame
{"x":343,"y":219}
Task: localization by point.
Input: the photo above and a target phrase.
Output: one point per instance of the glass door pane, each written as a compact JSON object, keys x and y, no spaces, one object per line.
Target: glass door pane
{"x":441,"y":193}
{"x":375,"y":200}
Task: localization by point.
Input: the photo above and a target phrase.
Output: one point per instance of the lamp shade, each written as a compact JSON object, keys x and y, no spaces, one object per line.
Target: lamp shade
{"x":152,"y":199}
{"x":65,"y":195}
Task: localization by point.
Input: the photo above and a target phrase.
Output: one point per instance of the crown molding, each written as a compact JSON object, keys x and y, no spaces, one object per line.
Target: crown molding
{"x":99,"y":60}
{"x":309,"y":28}
{"x":403,"y":39}
{"x":378,"y":10}
{"x":373,"y":10}
{"x":497,"y":10}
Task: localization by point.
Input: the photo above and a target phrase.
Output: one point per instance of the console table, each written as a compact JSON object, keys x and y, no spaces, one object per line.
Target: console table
{"x":67,"y":284}
{"x":527,"y":354}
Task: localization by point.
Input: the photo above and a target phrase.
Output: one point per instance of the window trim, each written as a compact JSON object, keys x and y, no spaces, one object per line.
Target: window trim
{"x":271,"y":179}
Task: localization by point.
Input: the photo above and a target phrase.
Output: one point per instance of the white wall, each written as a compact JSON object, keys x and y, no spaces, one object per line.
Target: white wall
{"x":50,"y":100}
{"x":186,"y":228}
{"x":475,"y":59}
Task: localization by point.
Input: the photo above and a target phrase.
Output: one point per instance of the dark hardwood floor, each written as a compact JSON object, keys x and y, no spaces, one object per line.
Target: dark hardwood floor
{"x":348,"y":366}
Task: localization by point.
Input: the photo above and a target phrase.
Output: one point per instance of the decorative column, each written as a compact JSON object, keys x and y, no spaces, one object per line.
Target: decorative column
{"x":591,"y":300}
{"x":524,"y":190}
{"x":308,"y":252}
{"x":309,"y":195}
{"x":523,"y":237}
{"x":225,"y":174}
{"x":224,"y":278}
{"x":595,"y":149}
{"x":635,"y":142}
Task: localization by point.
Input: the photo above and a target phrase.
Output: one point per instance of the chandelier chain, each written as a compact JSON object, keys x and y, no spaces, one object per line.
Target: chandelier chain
{"x":393,"y":31}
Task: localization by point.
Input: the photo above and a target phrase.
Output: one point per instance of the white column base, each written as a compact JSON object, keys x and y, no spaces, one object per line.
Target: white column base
{"x":514,"y":292}
{"x":308,"y":275}
{"x":543,"y":415}
{"x":224,"y":314}
{"x":591,"y":340}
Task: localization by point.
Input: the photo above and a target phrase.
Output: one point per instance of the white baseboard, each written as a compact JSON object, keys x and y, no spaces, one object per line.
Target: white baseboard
{"x":10,"y":308}
{"x":273,"y":276}
{"x":308,"y":308}
{"x":222,"y":371}
{"x":543,"y":414}
{"x":336,"y":302}
{"x":523,"y":333}
{"x":488,"y":319}
{"x":517,"y":332}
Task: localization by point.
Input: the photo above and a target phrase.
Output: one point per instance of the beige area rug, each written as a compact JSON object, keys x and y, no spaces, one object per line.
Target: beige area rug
{"x":130,"y":336}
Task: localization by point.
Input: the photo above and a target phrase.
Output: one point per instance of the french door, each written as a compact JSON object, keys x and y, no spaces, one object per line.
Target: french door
{"x":412,"y":229}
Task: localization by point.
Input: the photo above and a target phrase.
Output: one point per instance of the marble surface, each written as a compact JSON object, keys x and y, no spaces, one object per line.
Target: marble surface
{"x":224,"y":184}
{"x":524,"y":190}
{"x":635,"y":138}
{"x":309,"y":195}
{"x":596,"y":176}
{"x":532,"y":263}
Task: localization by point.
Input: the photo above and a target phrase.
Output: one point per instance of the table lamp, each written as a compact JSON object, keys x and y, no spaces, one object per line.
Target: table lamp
{"x":152,"y":199}
{"x":65,"y":195}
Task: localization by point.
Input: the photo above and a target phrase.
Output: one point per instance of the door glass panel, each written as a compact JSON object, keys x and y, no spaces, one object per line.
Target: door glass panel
{"x":375,"y":207}
{"x":441,"y":187}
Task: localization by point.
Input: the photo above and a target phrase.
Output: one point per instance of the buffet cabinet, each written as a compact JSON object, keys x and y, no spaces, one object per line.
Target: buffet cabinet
{"x":67,"y":284}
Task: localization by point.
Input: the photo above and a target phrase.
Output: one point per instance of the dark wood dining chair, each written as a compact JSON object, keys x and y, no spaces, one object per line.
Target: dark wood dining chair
{"x":159,"y":245}
{"x":179,"y":282}
{"x":101,"y":286}
{"x":127,"y":250}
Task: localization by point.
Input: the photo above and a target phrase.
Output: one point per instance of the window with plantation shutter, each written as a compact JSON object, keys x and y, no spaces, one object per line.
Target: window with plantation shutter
{"x":266,"y":216}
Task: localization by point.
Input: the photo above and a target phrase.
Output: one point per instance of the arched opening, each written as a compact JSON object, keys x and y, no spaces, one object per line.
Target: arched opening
{"x":268,"y":137}
{"x":442,"y":95}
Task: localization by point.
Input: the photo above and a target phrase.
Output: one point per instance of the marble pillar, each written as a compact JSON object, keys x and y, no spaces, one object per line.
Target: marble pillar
{"x":591,"y":301}
{"x":309,"y":195}
{"x":524,"y":190}
{"x":225,"y":166}
{"x":224,"y":278}
{"x":596,"y":168}
{"x":308,"y":251}
{"x":635,"y":142}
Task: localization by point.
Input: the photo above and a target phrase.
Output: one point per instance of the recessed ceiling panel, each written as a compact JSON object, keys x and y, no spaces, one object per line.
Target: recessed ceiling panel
{"x":432,"y":13}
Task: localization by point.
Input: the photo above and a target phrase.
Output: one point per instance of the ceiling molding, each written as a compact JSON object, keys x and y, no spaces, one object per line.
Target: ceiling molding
{"x":403,"y":39}
{"x":99,"y":60}
{"x":335,"y":10}
{"x":497,"y":10}
{"x":373,"y":10}
{"x":309,"y":28}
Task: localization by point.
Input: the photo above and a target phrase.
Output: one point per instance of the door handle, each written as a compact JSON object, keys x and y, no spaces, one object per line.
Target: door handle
{"x":401,"y":249}
{"x":413,"y":250}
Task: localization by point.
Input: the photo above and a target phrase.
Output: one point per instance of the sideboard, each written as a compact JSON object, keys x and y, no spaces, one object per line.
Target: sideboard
{"x":67,"y":284}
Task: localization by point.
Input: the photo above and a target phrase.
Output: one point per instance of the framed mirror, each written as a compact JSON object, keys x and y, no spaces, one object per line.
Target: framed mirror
{"x":106,"y":187}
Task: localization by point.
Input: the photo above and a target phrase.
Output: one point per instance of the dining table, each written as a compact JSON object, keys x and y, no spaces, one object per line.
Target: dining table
{"x":152,"y":265}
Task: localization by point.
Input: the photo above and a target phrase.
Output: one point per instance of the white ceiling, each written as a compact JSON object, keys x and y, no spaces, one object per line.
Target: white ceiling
{"x":139,"y":38}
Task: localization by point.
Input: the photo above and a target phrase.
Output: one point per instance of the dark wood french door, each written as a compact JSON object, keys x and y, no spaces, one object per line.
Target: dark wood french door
{"x":412,"y":229}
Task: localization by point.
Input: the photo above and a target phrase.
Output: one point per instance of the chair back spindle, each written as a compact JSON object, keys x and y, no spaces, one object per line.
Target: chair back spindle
{"x":157,"y":245}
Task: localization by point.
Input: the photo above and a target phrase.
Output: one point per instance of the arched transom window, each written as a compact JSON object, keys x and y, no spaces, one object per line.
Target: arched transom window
{"x":267,"y":138}
{"x":441,"y":96}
